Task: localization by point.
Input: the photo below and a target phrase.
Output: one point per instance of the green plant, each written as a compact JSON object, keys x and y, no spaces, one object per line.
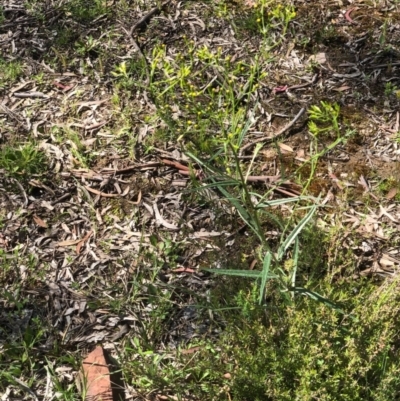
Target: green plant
{"x":18,"y":355}
{"x":383,"y":33}
{"x":308,"y":351}
{"x":192,"y":105}
{"x":23,"y":161}
{"x":324,"y":119}
{"x":82,"y":156}
{"x":390,"y":89}
{"x":87,"y":45}
{"x":63,"y":391}
{"x":323,"y":124}
{"x":2,"y":17}
{"x":83,"y":12}
{"x":9,"y":72}
{"x":269,"y":18}
{"x":120,"y":71}
{"x":282,"y":15}
{"x":277,"y":267}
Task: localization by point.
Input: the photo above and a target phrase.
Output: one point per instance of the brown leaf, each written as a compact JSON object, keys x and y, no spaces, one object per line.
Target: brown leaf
{"x":39,"y":221}
{"x":392,"y":193}
{"x":82,"y":241}
{"x":342,"y":88}
{"x":97,"y":377}
{"x":319,"y":58}
{"x":191,"y":350}
{"x":285,"y":148}
{"x":68,"y":242}
{"x":250,"y":3}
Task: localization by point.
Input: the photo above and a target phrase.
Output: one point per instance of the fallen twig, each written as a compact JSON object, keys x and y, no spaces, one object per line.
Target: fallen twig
{"x":26,"y":201}
{"x":95,"y":191}
{"x":61,"y":198}
{"x":24,"y":95}
{"x":130,"y":168}
{"x":147,"y":16}
{"x":138,"y":24}
{"x":139,"y":50}
{"x":277,"y":136}
{"x":177,"y":165}
{"x":264,"y":178}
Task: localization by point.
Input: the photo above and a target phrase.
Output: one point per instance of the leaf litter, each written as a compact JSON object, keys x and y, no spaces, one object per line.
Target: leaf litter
{"x":87,"y":222}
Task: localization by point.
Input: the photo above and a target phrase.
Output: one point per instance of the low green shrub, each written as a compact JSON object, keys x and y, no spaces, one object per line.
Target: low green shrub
{"x":309,"y":351}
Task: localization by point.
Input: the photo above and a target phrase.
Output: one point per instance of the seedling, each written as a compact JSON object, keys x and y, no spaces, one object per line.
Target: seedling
{"x":391,"y":89}
{"x":324,"y":119}
{"x":23,"y":161}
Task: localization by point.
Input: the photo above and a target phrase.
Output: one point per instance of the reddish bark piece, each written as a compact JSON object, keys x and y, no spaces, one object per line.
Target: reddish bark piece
{"x":63,"y":87}
{"x":347,"y":15}
{"x":175,"y":164}
{"x":97,"y":376}
{"x":280,"y":89}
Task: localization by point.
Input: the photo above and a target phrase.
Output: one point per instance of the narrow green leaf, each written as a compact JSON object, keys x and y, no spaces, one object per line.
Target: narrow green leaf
{"x":297,"y":230}
{"x":245,"y":129}
{"x":284,"y":201}
{"x":239,"y":273}
{"x":201,"y":162}
{"x":317,"y":297}
{"x":244,"y":214}
{"x":265,"y":275}
{"x":215,"y":184}
{"x":295,"y":260}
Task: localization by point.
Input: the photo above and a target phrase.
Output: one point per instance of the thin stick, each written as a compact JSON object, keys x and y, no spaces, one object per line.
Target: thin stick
{"x":276,"y":136}
{"x":26,"y":201}
{"x":147,"y":16}
{"x":139,"y":50}
{"x":138,"y":24}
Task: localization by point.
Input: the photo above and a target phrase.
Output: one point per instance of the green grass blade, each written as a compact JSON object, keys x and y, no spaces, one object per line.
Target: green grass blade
{"x":244,"y":214}
{"x":245,"y":129}
{"x":200,"y":162}
{"x":317,"y":297}
{"x":214,"y":185}
{"x":265,"y":275}
{"x":295,"y":260}
{"x":240,"y":273}
{"x":283,"y":201}
{"x":297,"y":230}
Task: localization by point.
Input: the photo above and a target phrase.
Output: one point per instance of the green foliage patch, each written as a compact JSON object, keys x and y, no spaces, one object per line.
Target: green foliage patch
{"x":10,"y":71}
{"x":309,"y":351}
{"x":22,"y":161}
